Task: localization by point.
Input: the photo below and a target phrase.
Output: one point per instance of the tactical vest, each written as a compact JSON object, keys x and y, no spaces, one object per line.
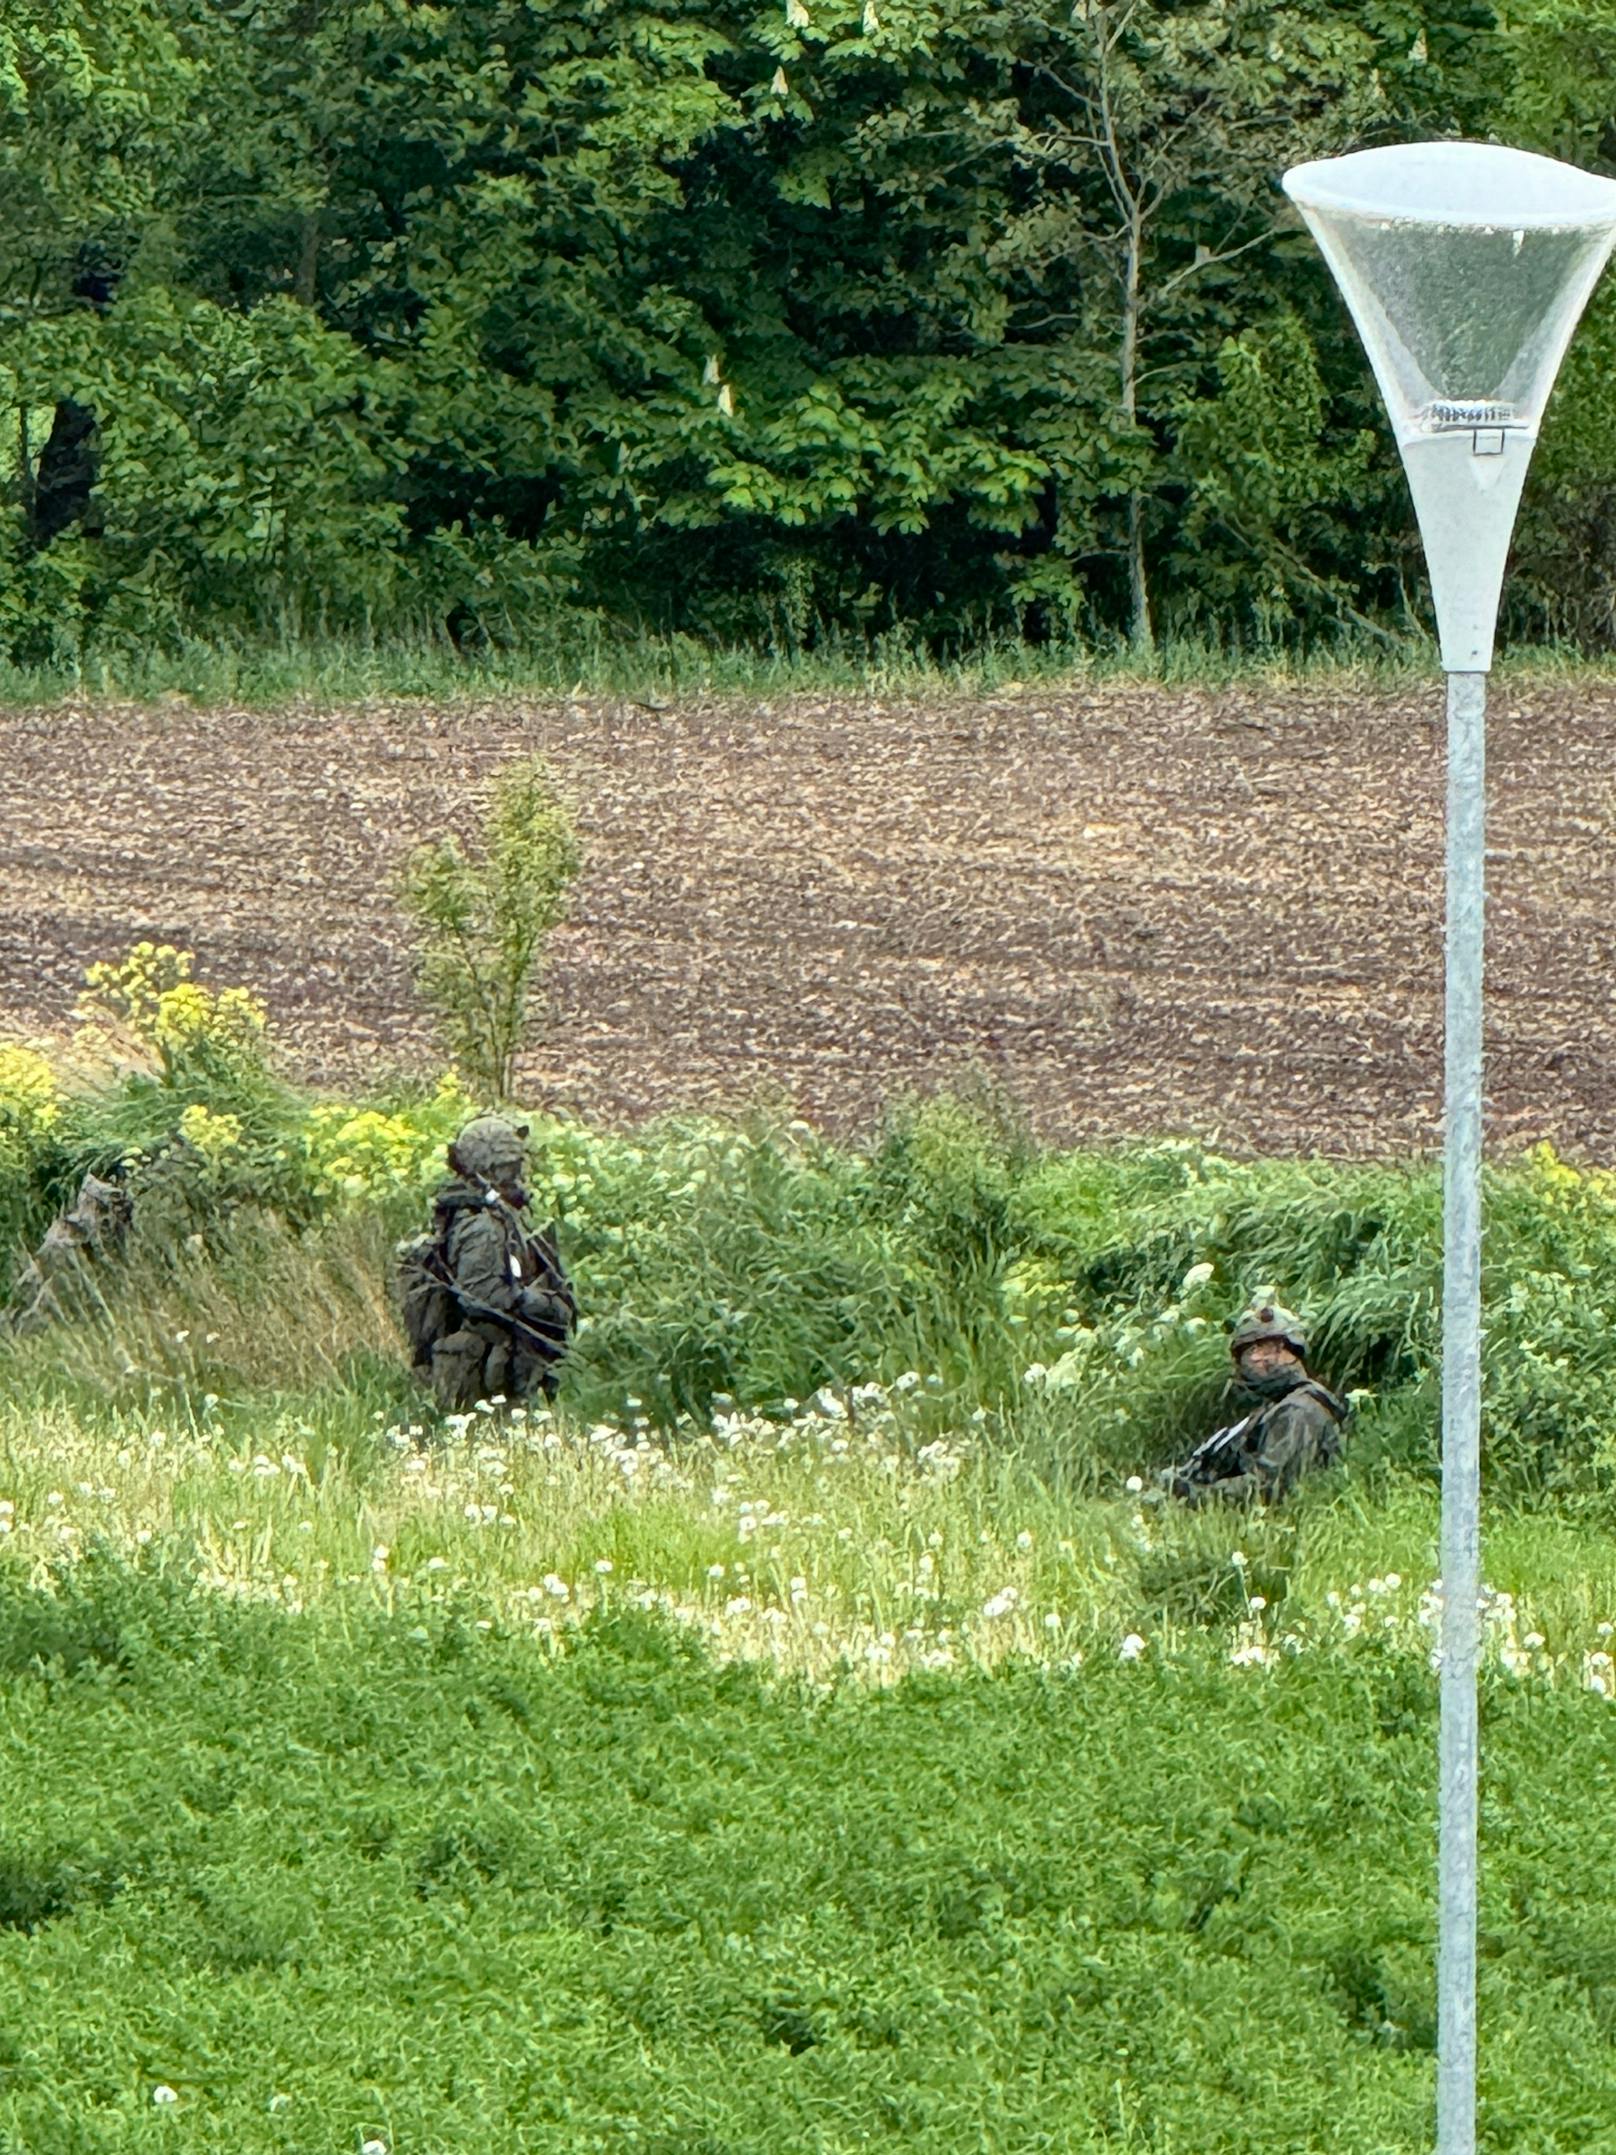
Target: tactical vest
{"x":429,"y":1308}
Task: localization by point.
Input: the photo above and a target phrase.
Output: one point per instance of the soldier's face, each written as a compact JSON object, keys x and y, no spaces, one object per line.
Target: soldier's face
{"x":1264,"y":1355}
{"x":506,"y":1177}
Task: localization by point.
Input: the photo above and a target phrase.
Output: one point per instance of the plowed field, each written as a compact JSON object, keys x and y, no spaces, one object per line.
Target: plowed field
{"x":1146,"y":911}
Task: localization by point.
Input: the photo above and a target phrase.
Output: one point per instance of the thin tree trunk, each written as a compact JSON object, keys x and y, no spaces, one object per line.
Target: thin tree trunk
{"x":1141,"y":630}
{"x":308,"y":260}
{"x":25,"y":466}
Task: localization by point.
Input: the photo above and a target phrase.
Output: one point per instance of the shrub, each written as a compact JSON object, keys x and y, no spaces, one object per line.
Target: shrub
{"x":147,"y":1009}
{"x":175,"y":1085}
{"x":482,"y":921}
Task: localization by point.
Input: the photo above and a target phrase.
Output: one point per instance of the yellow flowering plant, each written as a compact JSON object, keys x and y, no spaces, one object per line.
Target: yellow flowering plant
{"x":350,"y":1155}
{"x":172,"y":1072}
{"x":212,"y":1135}
{"x":30,"y":1150}
{"x":147,"y":1009}
{"x":30,"y":1098}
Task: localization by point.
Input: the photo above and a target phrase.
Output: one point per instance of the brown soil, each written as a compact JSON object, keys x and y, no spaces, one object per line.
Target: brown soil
{"x":1144,"y":910}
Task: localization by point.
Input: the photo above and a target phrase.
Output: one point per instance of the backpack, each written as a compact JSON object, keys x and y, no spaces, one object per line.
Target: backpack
{"x":426,"y":1303}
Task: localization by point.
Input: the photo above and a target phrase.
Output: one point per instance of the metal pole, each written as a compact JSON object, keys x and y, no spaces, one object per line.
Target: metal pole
{"x":1461,"y":1422}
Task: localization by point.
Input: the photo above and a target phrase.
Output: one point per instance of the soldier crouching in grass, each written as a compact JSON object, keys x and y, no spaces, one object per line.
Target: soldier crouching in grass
{"x":1295,"y":1427}
{"x":486,"y":1301}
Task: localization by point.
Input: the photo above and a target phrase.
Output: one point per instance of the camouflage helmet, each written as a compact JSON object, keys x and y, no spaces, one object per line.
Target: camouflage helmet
{"x":1266,"y":1320}
{"x":489,"y":1144}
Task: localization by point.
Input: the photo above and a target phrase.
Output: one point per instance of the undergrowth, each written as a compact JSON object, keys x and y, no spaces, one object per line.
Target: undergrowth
{"x":804,"y":1736}
{"x":408,"y":1880}
{"x":590,"y":658}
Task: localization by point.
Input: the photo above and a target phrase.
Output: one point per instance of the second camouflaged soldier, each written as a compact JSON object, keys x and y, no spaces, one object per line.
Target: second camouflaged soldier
{"x":486,"y":1301}
{"x":1295,"y":1427}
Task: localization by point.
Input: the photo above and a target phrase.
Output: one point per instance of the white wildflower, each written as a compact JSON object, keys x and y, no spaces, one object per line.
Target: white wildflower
{"x":1131,"y":1648}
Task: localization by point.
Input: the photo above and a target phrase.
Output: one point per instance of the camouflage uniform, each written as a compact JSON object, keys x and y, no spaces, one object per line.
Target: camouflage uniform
{"x":91,"y":1233}
{"x":1266,"y":1454}
{"x":511,"y":1305}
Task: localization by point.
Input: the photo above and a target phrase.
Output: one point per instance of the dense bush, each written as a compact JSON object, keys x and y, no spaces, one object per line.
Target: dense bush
{"x":755,"y":320}
{"x":1077,"y":1300}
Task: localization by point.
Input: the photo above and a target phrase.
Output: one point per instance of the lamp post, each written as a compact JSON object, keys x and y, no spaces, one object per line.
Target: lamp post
{"x":1465,"y":268}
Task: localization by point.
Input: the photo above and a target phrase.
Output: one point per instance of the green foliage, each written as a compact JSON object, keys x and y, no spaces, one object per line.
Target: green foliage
{"x":175,"y":1085}
{"x":1072,"y":1304}
{"x":482,"y":921}
{"x":725,"y":1263}
{"x":1260,"y":467}
{"x":499,"y":327}
{"x":581,"y":1899}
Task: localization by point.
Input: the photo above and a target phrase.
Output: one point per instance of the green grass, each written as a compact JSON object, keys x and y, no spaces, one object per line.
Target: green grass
{"x":589,"y":658}
{"x":408,"y":1874}
{"x":804,"y":1738}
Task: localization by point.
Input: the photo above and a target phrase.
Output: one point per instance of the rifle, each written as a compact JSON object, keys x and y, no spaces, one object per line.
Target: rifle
{"x":550,"y":1347}
{"x":1216,"y":1457}
{"x":552,"y":1274}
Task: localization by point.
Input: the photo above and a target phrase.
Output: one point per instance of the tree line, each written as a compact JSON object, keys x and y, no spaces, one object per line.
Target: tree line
{"x":757,"y":320}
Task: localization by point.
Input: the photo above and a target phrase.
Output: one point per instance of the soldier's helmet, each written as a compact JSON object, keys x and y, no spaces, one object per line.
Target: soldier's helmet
{"x":491,"y":1147}
{"x":1266,"y":1320}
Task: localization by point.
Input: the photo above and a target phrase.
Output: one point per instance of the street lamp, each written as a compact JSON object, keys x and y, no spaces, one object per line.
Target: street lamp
{"x":1465,"y":268}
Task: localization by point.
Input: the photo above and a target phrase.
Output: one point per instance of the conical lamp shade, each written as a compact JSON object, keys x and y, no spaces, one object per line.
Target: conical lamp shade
{"x":1465,"y":268}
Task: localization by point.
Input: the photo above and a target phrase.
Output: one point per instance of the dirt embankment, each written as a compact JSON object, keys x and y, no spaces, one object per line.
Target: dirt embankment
{"x":1146,"y":910}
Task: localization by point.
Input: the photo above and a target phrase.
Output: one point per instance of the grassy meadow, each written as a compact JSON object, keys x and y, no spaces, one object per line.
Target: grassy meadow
{"x":806,"y":1736}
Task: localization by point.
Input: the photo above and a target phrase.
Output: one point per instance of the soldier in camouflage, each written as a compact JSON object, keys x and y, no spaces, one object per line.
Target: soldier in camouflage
{"x":487,"y":1301}
{"x":92,"y":1233}
{"x":1295,"y":1427}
